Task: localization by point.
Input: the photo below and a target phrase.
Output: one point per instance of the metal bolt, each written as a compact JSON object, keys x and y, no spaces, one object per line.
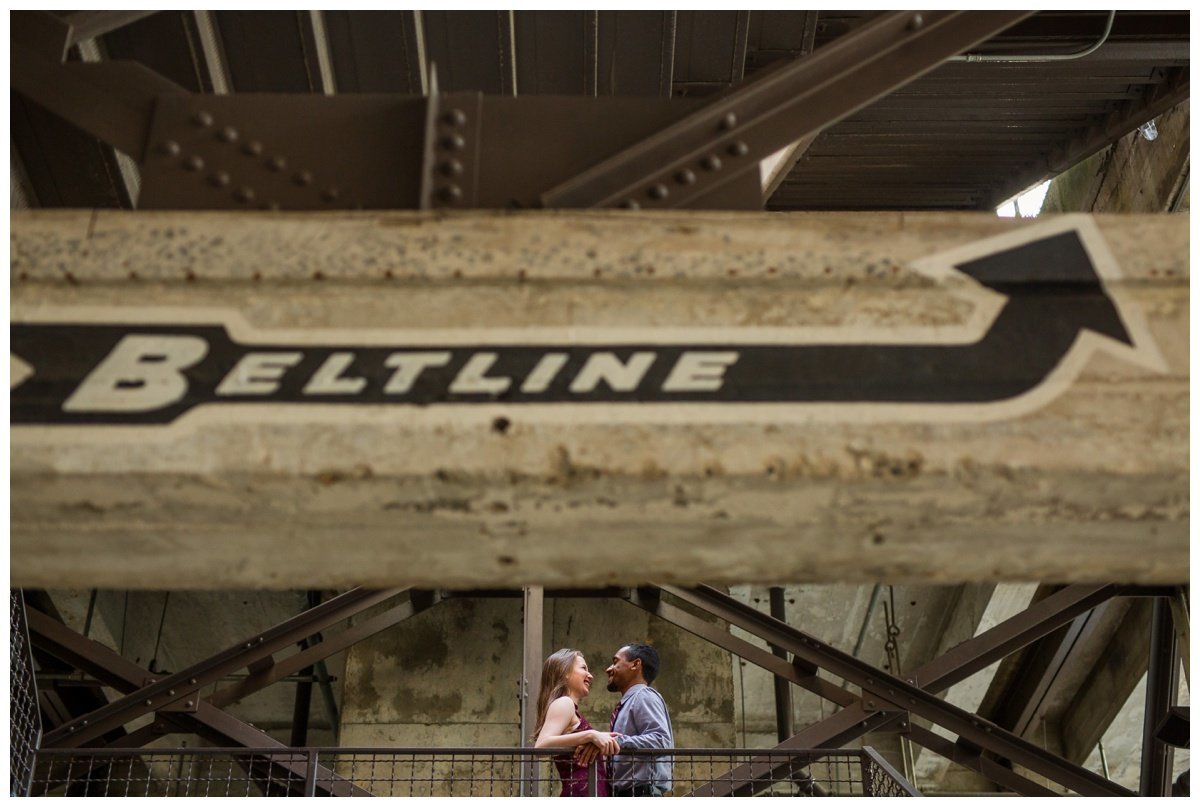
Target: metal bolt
{"x":302,"y":178}
{"x":711,"y":163}
{"x":685,"y":177}
{"x":658,"y":191}
{"x":249,"y":645}
{"x":451,"y":168}
{"x":729,"y":121}
{"x":83,"y":723}
{"x":170,"y":148}
{"x":244,"y":194}
{"x":149,"y":703}
{"x":871,"y":704}
{"x":202,"y":119}
{"x":455,"y":117}
{"x":194,"y":163}
{"x":220,"y":179}
{"x":228,"y":135}
{"x":630,"y":204}
{"x":916,"y":22}
{"x":453,"y":142}
{"x":277,"y":163}
{"x":192,"y":681}
{"x":329,"y":195}
{"x":738,"y":149}
{"x":190,"y":704}
{"x":253,"y":148}
{"x":70,"y":728}
{"x":450,"y":193}
{"x":903,"y":724}
{"x":170,"y":692}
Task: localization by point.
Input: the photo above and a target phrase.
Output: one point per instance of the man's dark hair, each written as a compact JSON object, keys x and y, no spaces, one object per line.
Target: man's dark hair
{"x":649,"y":658}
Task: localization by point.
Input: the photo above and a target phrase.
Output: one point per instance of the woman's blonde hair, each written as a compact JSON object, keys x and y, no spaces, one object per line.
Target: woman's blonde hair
{"x":554,"y":682}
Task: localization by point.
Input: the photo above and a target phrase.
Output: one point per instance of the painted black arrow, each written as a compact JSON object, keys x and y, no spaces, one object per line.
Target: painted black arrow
{"x":1053,"y":294}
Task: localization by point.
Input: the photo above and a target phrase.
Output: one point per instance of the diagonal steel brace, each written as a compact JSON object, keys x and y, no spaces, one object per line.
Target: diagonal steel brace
{"x":902,"y":691}
{"x":178,"y":688}
{"x":778,"y":107}
{"x":125,"y":676}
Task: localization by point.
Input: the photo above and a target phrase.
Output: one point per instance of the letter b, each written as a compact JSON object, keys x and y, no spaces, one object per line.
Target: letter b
{"x":141,"y":373}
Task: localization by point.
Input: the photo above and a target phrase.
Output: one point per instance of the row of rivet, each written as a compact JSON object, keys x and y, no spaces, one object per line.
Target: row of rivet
{"x":451,"y":166}
{"x":686,"y":176}
{"x":251,"y":148}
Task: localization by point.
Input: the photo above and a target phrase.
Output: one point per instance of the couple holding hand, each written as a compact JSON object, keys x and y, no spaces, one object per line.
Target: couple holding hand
{"x":640,"y":720}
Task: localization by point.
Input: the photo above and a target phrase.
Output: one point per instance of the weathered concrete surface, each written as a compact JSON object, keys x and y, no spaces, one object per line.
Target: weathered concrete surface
{"x":1088,"y":484}
{"x":449,"y":676}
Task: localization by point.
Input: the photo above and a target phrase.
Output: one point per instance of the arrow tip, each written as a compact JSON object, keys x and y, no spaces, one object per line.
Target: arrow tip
{"x":19,"y":371}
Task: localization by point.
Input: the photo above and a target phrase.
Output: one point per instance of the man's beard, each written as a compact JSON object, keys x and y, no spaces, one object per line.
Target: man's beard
{"x":612,"y":687}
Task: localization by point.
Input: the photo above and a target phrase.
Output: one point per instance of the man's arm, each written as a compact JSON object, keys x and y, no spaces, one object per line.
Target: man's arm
{"x":649,"y":715}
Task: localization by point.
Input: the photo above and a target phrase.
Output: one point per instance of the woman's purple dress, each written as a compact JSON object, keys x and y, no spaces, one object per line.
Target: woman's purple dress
{"x":575,"y":777}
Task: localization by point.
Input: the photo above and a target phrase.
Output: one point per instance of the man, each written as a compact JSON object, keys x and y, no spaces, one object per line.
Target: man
{"x":641,"y":721}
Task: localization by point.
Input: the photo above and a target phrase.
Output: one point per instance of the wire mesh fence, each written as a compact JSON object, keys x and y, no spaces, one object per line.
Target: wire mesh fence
{"x":25,"y":725}
{"x":475,"y":772}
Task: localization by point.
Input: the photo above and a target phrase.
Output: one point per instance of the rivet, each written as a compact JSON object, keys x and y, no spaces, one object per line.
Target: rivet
{"x":916,"y":22}
{"x":453,"y":142}
{"x":190,"y":704}
{"x":228,"y":135}
{"x":170,"y":148}
{"x":277,"y":163}
{"x":253,"y":148}
{"x":711,"y":163}
{"x":451,"y":168}
{"x":870,"y":680}
{"x":685,"y":177}
{"x":202,"y":119}
{"x":658,"y":191}
{"x":903,"y":724}
{"x":149,"y":703}
{"x":249,"y":644}
{"x":70,"y":728}
{"x":83,"y":722}
{"x":170,"y":692}
{"x":194,"y":163}
{"x":630,"y":204}
{"x":220,"y":179}
{"x":863,"y":724}
{"x":329,"y":195}
{"x":455,"y":117}
{"x":262,"y":639}
{"x":192,"y":681}
{"x":303,"y":178}
{"x":738,"y":149}
{"x":450,"y":193}
{"x":871,"y":704}
{"x":244,"y":194}
{"x":729,"y":121}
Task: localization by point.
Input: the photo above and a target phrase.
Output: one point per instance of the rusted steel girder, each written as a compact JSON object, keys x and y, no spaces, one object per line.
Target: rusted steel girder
{"x":200,"y":717}
{"x":181,"y":689}
{"x":882,"y":688}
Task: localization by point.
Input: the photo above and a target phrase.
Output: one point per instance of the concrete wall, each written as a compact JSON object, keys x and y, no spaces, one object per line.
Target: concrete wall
{"x":448,"y":676}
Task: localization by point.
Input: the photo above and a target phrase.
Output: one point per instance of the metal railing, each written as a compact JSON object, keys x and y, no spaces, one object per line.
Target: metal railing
{"x":24,"y":715}
{"x":446,"y":772}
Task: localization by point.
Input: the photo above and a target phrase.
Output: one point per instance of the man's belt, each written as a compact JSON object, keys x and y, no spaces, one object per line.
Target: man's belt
{"x":640,"y":789}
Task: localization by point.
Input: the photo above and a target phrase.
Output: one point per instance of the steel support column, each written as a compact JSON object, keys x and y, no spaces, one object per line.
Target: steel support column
{"x":1162,"y":682}
{"x":783,"y":693}
{"x":532,"y":653}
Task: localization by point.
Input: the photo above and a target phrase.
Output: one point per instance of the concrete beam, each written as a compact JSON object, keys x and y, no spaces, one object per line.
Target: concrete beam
{"x":1082,"y":477}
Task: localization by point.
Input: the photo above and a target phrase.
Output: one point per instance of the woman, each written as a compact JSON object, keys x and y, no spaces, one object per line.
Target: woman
{"x":565,"y":682}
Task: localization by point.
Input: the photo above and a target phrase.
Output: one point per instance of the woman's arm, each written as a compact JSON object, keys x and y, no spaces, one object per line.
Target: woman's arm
{"x":556,"y":731}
